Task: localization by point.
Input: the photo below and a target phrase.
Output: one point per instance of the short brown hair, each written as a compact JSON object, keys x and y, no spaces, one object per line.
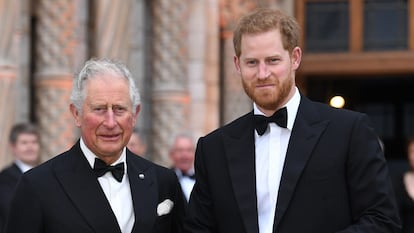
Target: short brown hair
{"x":264,"y":20}
{"x":22,"y":128}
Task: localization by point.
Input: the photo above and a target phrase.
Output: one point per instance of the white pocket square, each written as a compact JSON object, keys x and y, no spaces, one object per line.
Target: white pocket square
{"x":165,"y":207}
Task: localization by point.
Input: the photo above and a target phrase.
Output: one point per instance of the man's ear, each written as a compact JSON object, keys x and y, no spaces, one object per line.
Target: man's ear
{"x":236,"y":62}
{"x":75,"y":114}
{"x":136,"y":113}
{"x":296,"y":57}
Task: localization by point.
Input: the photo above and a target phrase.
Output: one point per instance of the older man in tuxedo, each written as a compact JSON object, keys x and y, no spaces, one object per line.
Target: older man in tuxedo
{"x":181,"y":153}
{"x":99,"y":185}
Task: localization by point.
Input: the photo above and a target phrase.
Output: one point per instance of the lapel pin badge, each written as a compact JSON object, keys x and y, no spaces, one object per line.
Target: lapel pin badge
{"x":141,"y":176}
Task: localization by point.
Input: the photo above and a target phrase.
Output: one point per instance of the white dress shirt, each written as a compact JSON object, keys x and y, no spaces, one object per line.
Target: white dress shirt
{"x":186,"y":182}
{"x":117,"y":193}
{"x":24,"y":167}
{"x":270,"y":149}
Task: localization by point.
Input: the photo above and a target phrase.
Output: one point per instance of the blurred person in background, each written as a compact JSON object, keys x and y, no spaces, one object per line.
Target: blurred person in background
{"x":24,"y":141}
{"x":405,"y":193}
{"x":137,"y":143}
{"x":181,"y":153}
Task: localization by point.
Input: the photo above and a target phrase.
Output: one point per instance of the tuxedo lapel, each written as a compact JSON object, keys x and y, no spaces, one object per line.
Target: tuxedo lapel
{"x":82,"y":187}
{"x":144,"y":193}
{"x":239,"y":143}
{"x":305,"y":134}
{"x":15,"y":172}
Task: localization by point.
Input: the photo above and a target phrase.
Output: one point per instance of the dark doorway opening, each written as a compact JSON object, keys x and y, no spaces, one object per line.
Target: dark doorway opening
{"x":388,"y":101}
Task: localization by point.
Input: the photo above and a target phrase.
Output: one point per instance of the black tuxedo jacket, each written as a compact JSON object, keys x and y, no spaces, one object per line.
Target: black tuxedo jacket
{"x":8,"y":181}
{"x":63,"y":195}
{"x":334,"y":179}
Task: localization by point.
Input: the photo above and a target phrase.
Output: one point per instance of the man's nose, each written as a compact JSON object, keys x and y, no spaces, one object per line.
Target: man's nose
{"x":263,"y":71}
{"x":110,"y":119}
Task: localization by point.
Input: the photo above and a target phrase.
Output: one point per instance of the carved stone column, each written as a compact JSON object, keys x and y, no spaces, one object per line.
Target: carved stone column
{"x":55,"y":43}
{"x":8,"y":72}
{"x":170,"y":98}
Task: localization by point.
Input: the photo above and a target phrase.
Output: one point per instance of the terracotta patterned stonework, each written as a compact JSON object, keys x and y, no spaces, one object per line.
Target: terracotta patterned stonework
{"x":54,"y":116}
{"x":54,"y":67}
{"x":230,"y":12}
{"x":55,"y":35}
{"x":169,"y":75}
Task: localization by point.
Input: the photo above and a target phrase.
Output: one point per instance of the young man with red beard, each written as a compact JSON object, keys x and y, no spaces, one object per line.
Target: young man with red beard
{"x":290,"y":165}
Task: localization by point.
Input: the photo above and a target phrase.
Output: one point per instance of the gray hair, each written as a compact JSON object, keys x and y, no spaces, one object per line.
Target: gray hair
{"x":95,"y":67}
{"x":184,"y":135}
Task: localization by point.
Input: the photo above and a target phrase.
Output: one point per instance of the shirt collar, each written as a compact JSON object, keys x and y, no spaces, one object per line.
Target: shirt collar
{"x":24,"y":167}
{"x":292,"y":108}
{"x":180,"y":173}
{"x":90,"y":156}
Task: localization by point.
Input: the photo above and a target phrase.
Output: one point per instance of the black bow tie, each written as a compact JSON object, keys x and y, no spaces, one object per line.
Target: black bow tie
{"x":192,"y":176}
{"x":279,"y":117}
{"x":100,"y":168}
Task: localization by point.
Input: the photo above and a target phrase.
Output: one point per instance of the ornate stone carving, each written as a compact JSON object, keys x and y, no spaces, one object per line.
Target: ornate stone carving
{"x":53,"y":117}
{"x":54,"y":36}
{"x":55,"y":43}
{"x":230,"y":12}
{"x":170,"y":98}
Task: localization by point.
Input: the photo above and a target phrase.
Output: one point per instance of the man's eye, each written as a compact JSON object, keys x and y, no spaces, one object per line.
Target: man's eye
{"x":119,"y":109}
{"x":251,"y":63}
{"x":99,"y":109}
{"x":273,"y":60}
